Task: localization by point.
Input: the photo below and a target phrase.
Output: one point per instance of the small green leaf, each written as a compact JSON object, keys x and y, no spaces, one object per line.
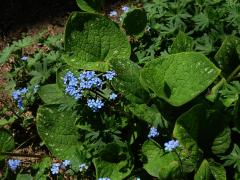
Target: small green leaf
{"x":148,"y":114}
{"x":90,"y":5}
{"x":159,"y":163}
{"x":135,"y":22}
{"x":51,"y":94}
{"x":222,"y":142}
{"x":210,"y":170}
{"x":24,"y":177}
{"x":182,"y":43}
{"x":6,"y":142}
{"x":93,"y":38}
{"x":227,"y":57}
{"x":214,"y":93}
{"x":42,"y":168}
{"x":58,"y":132}
{"x":178,"y":78}
{"x":127,"y":79}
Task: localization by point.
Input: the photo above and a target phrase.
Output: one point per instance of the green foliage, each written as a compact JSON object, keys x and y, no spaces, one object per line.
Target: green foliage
{"x":182,"y":77}
{"x":158,"y":163}
{"x":90,"y":5}
{"x":93,"y":38}
{"x":7,"y":142}
{"x":58,"y":132}
{"x":135,"y":22}
{"x":182,"y":43}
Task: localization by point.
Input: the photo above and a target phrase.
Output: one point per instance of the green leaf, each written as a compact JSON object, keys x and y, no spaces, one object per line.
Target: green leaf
{"x":159,"y":163}
{"x":178,"y":78}
{"x":114,"y":161}
{"x":93,"y":38}
{"x":58,"y":132}
{"x":42,"y":168}
{"x":90,"y":5}
{"x":150,"y":115}
{"x":51,"y":94}
{"x":214,"y":93}
{"x":182,"y":43}
{"x":135,"y":22}
{"x":222,"y":142}
{"x":24,"y":177}
{"x":227,"y":57}
{"x":6,"y":142}
{"x":210,"y":170}
{"x":127,"y":80}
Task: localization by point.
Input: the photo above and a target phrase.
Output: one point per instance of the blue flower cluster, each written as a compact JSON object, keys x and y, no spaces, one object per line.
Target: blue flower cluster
{"x":113,"y":13}
{"x":87,"y":80}
{"x":17,"y":96}
{"x":105,"y":178}
{"x":95,"y":105}
{"x":55,"y":168}
{"x":24,"y":58}
{"x":171,"y":145}
{"x":125,"y":8}
{"x":83,"y":167}
{"x":153,"y":132}
{"x":13,"y":164}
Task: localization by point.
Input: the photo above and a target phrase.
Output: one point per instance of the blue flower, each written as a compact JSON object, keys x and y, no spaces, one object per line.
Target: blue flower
{"x":113,"y":13}
{"x":153,"y":132}
{"x":13,"y":164}
{"x":171,"y":145}
{"x":125,"y":8}
{"x":17,"y":96}
{"x":105,"y":178}
{"x":113,"y":96}
{"x":24,"y":58}
{"x":72,"y":85}
{"x":83,"y":167}
{"x":110,"y":75}
{"x":66,"y":162}
{"x":89,"y":79}
{"x":55,"y":168}
{"x":95,"y":105}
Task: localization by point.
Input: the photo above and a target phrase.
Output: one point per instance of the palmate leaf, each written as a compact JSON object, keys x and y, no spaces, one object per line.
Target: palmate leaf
{"x":182,"y":43}
{"x":233,"y":159}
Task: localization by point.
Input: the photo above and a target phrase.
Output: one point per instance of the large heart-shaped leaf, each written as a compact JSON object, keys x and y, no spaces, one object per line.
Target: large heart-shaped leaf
{"x":159,"y":163}
{"x":127,"y":79}
{"x":178,"y":78}
{"x":210,"y":170}
{"x":58,"y":132}
{"x":6,"y":142}
{"x":93,"y":38}
{"x":90,"y":5}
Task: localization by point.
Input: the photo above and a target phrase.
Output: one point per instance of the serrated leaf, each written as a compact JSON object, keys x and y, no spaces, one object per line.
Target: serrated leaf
{"x":178,"y":78}
{"x":90,"y":5}
{"x":58,"y":132}
{"x":159,"y":163}
{"x":148,"y":114}
{"x":94,"y":38}
{"x":182,"y":43}
{"x":6,"y":142}
{"x":210,"y":170}
{"x":227,"y":57}
{"x":135,"y":22}
{"x":127,"y":80}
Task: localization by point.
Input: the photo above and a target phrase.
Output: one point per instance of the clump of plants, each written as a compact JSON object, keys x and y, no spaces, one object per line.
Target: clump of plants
{"x":147,"y":91}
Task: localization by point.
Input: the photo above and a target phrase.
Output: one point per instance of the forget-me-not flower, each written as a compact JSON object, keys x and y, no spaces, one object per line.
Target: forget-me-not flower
{"x":110,"y":75}
{"x":17,"y":96}
{"x":113,"y":13}
{"x":105,"y":178}
{"x":95,"y":105}
{"x":153,"y":132}
{"x":171,"y":145}
{"x":113,"y":96}
{"x":13,"y":164}
{"x":125,"y":8}
{"x":24,"y":58}
{"x":83,"y":167}
{"x":55,"y":168}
